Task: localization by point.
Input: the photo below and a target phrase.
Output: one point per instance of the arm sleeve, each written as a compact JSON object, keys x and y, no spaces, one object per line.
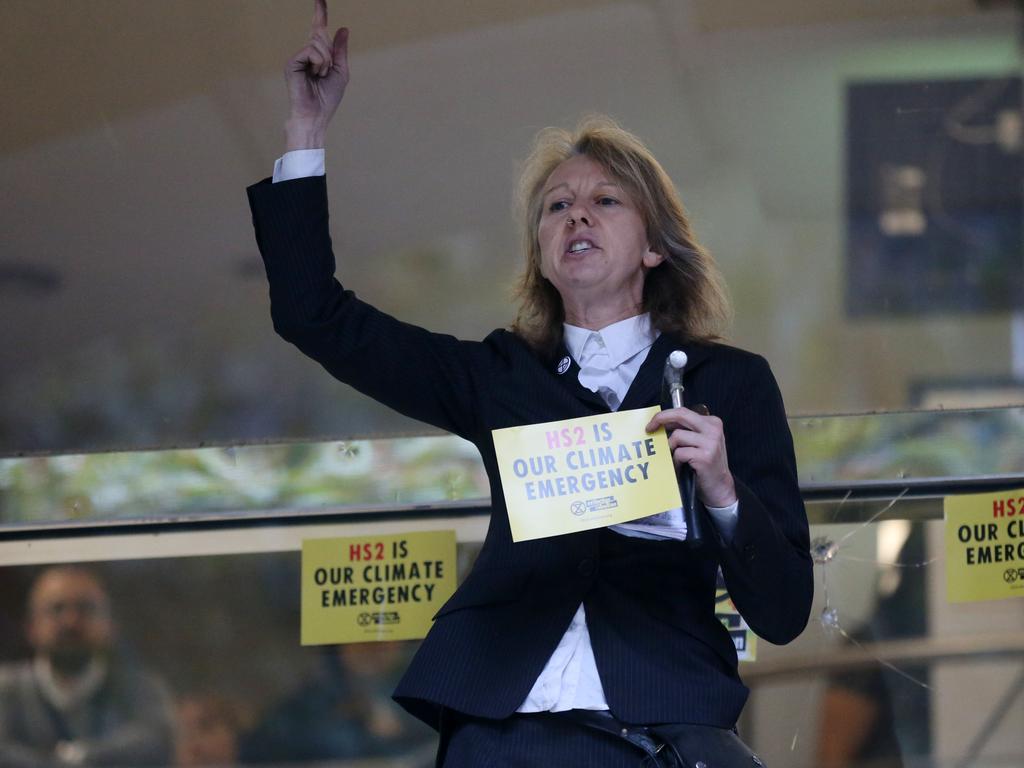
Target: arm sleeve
{"x":13,"y":755}
{"x":15,"y":710}
{"x":144,"y":736}
{"x":427,"y":376}
{"x":17,"y":756}
{"x":767,"y":564}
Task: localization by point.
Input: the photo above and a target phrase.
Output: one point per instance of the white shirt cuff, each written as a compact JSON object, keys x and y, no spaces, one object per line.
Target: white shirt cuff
{"x":725,"y":519}
{"x":299,"y":164}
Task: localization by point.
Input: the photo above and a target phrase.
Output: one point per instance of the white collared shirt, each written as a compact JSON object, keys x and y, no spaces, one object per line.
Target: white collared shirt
{"x":610,"y":359}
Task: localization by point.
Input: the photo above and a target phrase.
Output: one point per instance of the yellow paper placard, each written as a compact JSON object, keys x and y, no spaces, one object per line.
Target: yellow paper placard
{"x":577,"y":474}
{"x":984,"y":546}
{"x":362,"y":588}
{"x":743,"y":638}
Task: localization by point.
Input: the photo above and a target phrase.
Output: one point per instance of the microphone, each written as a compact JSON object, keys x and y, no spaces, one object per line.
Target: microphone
{"x":675,"y":364}
{"x":674,"y":367}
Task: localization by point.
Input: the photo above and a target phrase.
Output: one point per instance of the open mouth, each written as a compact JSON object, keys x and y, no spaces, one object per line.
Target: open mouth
{"x":581,"y":245}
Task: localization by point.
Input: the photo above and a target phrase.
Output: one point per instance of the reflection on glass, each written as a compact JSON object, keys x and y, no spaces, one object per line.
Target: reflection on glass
{"x":127,"y":325}
{"x":223,"y":633}
{"x":445,"y":472}
{"x":208,"y":731}
{"x":76,"y":699}
{"x":888,"y":673}
{"x":240,"y":481}
{"x":879,"y":714}
{"x":132,"y":298}
{"x":343,"y":711}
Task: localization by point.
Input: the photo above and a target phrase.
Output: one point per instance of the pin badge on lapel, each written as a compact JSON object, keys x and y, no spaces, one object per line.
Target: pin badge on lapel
{"x":563,"y":364}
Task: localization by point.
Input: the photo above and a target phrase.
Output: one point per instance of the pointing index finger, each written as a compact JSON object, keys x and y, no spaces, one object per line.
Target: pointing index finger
{"x":319,"y":15}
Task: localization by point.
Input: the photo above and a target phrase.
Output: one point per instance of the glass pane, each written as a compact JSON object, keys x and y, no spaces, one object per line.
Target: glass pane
{"x":888,"y":673}
{"x":854,"y":167}
{"x":936,"y":683}
{"x":199,"y":664}
{"x":845,"y":463}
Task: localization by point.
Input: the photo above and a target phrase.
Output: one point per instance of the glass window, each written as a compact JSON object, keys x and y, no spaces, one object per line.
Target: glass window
{"x":855,"y":168}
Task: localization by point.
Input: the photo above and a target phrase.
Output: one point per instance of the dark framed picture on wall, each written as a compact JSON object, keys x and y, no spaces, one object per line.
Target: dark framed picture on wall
{"x":933,"y":197}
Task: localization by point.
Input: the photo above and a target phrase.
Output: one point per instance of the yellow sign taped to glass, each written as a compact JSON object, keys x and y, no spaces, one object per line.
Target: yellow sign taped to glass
{"x":573,"y":475}
{"x":743,"y":638}
{"x":366,"y":588}
{"x":984,"y":546}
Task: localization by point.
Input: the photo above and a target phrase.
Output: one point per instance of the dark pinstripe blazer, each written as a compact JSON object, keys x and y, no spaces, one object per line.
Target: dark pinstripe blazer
{"x":662,"y":655}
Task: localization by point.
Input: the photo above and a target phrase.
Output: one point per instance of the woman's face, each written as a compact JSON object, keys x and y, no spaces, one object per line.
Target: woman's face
{"x":593,"y":243}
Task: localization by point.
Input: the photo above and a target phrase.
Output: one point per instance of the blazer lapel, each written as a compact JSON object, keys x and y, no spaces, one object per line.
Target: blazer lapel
{"x":567,"y":371}
{"x":647,"y":386}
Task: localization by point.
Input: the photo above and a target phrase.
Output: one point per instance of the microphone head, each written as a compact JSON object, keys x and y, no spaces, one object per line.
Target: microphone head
{"x":674,"y":365}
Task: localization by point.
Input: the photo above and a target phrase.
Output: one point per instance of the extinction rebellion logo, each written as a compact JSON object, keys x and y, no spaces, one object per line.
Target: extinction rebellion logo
{"x":389,"y":617}
{"x":580,"y":508}
{"x":1011,"y":575}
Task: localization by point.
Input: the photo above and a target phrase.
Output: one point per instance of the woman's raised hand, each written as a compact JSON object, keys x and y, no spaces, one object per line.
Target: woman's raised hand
{"x":316,"y":76}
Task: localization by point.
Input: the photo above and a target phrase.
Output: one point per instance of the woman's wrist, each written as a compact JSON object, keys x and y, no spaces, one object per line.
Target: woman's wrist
{"x":723,"y":494}
{"x":303,"y":133}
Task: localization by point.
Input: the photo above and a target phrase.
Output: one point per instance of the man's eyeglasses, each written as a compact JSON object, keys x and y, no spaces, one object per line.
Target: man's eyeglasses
{"x":88,"y":609}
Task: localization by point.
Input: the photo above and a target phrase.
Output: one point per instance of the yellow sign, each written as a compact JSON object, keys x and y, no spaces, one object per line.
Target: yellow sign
{"x":365,"y":588}
{"x":985,"y":546}
{"x":742,"y":637}
{"x":577,"y":474}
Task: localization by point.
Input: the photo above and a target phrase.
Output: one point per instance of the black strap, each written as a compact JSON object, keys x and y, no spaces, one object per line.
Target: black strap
{"x":639,"y":736}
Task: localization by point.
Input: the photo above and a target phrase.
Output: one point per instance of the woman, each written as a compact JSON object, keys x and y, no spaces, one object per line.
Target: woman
{"x":597,"y":648}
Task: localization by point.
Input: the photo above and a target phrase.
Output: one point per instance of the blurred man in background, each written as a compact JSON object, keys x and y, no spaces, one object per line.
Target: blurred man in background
{"x":73,"y":703}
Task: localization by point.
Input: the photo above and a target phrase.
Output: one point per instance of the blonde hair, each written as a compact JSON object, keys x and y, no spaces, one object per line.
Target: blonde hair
{"x":685,"y":294}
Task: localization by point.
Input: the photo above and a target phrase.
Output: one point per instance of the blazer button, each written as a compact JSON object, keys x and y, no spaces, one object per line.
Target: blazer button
{"x":748,"y":553}
{"x":586,"y":567}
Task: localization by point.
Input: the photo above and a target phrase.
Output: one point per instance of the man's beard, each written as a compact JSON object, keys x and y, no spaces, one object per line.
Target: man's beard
{"x":70,"y":661}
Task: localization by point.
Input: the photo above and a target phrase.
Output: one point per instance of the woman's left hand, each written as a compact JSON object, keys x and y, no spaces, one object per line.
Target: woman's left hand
{"x":700,"y":442}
